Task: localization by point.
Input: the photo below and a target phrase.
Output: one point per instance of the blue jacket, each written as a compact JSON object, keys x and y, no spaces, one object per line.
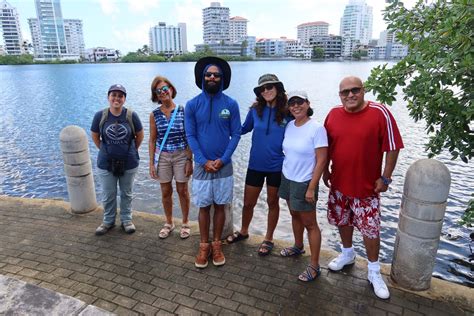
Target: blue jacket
{"x":266,"y":153}
{"x":212,"y":124}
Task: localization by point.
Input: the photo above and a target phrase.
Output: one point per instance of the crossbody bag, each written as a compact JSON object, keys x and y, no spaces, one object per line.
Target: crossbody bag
{"x":157,"y":154}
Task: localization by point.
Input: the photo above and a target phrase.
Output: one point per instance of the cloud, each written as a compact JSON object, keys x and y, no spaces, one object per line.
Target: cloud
{"x":109,"y":7}
{"x":142,"y":6}
{"x":133,"y":39}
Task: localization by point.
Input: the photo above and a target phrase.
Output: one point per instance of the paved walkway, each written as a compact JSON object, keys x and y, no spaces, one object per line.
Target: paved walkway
{"x":44,"y":245}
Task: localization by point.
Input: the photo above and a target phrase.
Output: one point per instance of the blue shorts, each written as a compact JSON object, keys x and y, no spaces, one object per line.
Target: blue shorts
{"x":212,"y":188}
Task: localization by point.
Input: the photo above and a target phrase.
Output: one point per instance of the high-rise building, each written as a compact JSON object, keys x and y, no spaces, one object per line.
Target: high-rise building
{"x":54,"y":37}
{"x":238,"y":28}
{"x":169,"y":40}
{"x":10,"y":29}
{"x":74,"y":37}
{"x":215,"y":22}
{"x":312,"y":29}
{"x":356,"y":23}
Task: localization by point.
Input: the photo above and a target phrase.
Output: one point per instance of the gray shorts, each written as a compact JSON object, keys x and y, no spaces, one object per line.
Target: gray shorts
{"x":171,"y":165}
{"x":210,"y":188}
{"x":294,"y":192}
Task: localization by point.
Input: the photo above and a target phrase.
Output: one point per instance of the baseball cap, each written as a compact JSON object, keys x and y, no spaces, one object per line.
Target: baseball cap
{"x":298,"y":93}
{"x":117,"y":87}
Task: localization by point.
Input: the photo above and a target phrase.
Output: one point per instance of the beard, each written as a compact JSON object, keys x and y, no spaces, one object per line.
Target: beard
{"x":212,"y":88}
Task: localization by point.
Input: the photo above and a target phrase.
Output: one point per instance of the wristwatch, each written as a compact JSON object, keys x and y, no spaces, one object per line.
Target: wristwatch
{"x":386,"y":180}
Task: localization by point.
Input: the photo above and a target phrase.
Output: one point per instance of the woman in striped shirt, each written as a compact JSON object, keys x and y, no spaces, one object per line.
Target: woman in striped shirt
{"x":175,"y":160}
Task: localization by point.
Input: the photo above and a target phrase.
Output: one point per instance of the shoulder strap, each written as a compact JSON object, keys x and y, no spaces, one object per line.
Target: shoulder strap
{"x":103,"y":118}
{"x":169,"y":128}
{"x":129,"y":117}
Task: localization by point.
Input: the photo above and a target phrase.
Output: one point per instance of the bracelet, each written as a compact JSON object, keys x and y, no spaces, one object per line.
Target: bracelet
{"x":386,"y":180}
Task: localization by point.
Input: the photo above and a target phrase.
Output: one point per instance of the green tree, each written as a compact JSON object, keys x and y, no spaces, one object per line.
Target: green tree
{"x":436,"y":76}
{"x":318,"y":52}
{"x":356,"y":55}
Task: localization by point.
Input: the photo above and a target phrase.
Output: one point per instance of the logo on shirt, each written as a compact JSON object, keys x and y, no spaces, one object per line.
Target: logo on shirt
{"x":225,"y":114}
{"x":116,"y":132}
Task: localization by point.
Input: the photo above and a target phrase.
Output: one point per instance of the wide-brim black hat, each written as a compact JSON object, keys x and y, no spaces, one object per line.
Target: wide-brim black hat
{"x":202,"y":63}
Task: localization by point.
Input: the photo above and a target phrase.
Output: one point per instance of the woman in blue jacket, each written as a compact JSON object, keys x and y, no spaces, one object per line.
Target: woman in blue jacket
{"x":267,"y":119}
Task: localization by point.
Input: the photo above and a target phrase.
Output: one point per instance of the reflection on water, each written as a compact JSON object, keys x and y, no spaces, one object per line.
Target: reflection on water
{"x":39,"y":100}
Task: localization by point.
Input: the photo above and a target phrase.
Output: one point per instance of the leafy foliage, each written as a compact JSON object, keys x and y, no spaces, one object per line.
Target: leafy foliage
{"x":318,"y":52}
{"x":437,"y":75}
{"x":16,"y":60}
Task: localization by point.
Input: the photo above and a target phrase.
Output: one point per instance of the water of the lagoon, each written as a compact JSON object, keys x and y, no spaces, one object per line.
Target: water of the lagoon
{"x":37,"y":101}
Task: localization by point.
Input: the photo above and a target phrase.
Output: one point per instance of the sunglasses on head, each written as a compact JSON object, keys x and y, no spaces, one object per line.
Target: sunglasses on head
{"x":296,"y":101}
{"x":268,"y":86}
{"x":210,"y":74}
{"x":354,"y":91}
{"x":162,"y":90}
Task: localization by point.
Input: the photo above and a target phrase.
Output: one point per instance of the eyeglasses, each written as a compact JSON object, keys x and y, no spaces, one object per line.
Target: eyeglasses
{"x":210,"y":74}
{"x":296,"y":101}
{"x":354,"y":91}
{"x":161,"y":90}
{"x":268,"y":86}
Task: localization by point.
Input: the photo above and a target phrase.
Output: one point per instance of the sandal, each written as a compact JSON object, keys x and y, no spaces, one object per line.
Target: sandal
{"x":185,"y":231}
{"x":166,"y":230}
{"x":265,"y":248}
{"x":291,"y":251}
{"x":235,"y":237}
{"x":307,"y":275}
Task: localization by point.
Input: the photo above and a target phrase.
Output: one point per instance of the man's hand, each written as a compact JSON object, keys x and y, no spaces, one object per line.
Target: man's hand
{"x":209,"y":167}
{"x":380,"y":186}
{"x":218,"y":164}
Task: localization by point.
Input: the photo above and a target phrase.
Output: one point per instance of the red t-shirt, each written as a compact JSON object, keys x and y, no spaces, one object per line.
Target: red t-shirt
{"x":357,"y":142}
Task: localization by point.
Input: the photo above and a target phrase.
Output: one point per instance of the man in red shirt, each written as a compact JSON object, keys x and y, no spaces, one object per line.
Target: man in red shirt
{"x":359,"y":133}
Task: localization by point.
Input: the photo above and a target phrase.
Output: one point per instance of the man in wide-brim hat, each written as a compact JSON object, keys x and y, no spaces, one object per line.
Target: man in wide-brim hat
{"x":212,"y":123}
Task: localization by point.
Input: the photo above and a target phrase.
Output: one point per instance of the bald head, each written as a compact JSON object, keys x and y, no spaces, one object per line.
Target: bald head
{"x":351,"y":92}
{"x":351,"y":81}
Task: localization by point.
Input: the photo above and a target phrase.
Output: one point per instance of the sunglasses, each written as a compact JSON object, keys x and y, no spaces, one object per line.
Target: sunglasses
{"x":354,"y":91}
{"x":296,"y":101}
{"x":161,"y":90}
{"x":268,"y":86}
{"x":210,"y":74}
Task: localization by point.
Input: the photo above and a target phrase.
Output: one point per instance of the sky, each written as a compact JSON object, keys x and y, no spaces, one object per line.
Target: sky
{"x":124,"y":24}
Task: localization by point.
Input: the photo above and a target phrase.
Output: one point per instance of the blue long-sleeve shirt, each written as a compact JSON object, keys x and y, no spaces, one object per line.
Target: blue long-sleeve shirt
{"x":266,"y":153}
{"x":212,"y":124}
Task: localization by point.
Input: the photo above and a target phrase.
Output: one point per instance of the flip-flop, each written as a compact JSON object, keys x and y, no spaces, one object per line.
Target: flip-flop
{"x":185,"y":231}
{"x":307,"y":274}
{"x":166,"y":230}
{"x":235,"y":237}
{"x":291,"y":251}
{"x":265,"y":248}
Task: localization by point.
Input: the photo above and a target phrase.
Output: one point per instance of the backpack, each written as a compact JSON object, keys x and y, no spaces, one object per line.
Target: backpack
{"x":128,"y":116}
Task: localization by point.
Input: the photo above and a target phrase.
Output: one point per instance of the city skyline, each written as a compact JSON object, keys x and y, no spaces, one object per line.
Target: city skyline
{"x":125,"y":24}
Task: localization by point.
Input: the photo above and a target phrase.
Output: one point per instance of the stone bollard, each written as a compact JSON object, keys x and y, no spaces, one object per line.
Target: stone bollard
{"x":78,"y":169}
{"x":228,"y":224}
{"x":425,"y":192}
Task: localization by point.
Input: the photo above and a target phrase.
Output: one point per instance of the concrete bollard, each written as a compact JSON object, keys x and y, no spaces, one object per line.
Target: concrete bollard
{"x":78,"y":169}
{"x":425,"y":192}
{"x":228,"y":224}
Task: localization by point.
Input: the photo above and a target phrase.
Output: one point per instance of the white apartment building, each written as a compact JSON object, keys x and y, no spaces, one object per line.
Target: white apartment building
{"x":215,"y":22}
{"x":312,"y":29}
{"x":169,"y":40}
{"x":74,"y":37}
{"x":237,"y":28}
{"x":271,"y":47}
{"x":297,"y":49}
{"x":356,"y":22}
{"x":12,"y":40}
{"x":54,"y":37}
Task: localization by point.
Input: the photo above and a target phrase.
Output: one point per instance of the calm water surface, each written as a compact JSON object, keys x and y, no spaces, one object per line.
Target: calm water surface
{"x":37,"y":101}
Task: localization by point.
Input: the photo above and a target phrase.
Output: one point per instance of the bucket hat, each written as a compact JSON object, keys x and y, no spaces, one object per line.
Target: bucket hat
{"x":265,"y":79}
{"x":202,"y":63}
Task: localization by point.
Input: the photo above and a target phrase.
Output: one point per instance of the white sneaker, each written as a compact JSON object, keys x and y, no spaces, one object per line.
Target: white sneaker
{"x":380,"y":288}
{"x":342,"y":260}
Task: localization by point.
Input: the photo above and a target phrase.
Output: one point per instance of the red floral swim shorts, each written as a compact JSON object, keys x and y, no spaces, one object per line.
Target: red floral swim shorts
{"x":361,"y":213}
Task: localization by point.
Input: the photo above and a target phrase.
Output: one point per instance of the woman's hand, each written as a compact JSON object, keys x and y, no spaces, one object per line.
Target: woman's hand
{"x":309,"y":196}
{"x":153,"y":172}
{"x":188,"y":168}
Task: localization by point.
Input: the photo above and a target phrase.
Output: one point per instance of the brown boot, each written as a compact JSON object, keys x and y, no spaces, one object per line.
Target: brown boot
{"x":204,"y":253}
{"x":217,"y":255}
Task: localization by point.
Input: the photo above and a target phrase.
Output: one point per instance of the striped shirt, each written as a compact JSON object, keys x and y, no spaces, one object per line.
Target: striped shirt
{"x":177,"y":137}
